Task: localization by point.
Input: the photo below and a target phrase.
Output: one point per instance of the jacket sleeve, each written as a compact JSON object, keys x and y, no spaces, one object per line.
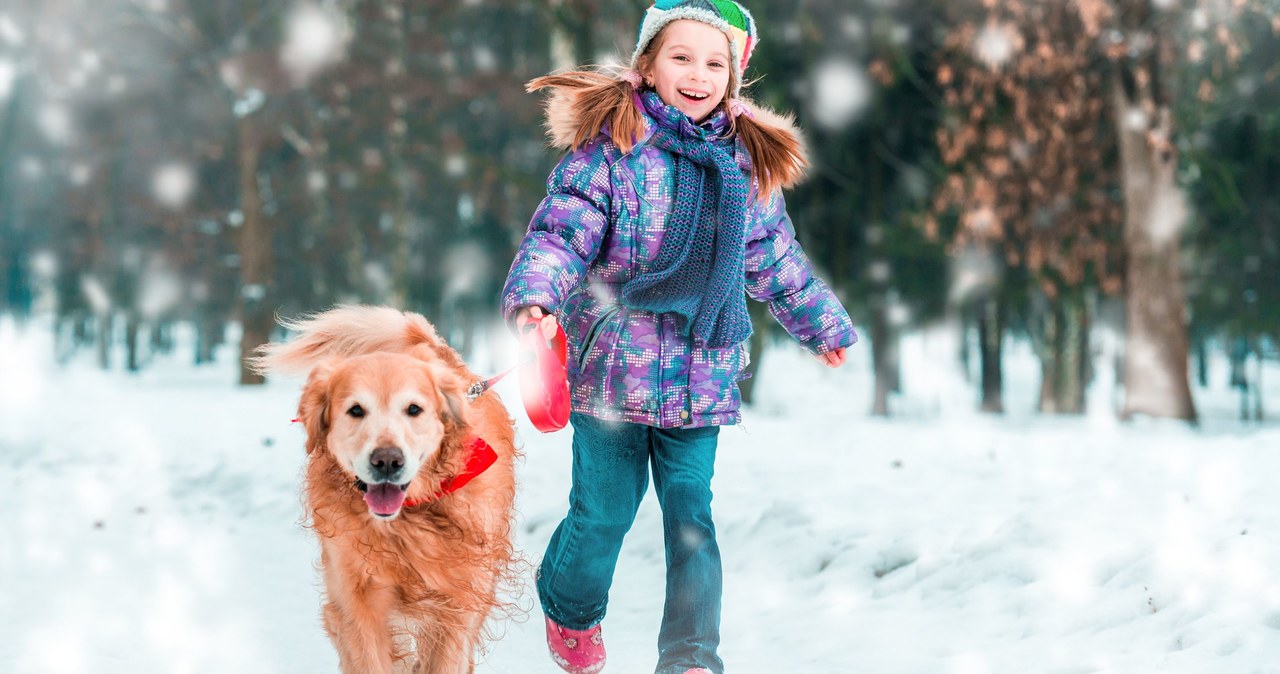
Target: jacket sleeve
{"x":565,"y":233}
{"x":779,"y":272}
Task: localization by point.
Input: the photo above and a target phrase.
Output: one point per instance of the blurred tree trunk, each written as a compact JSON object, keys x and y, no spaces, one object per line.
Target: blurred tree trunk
{"x":1156,"y":344}
{"x":255,"y":246}
{"x":132,"y":323}
{"x":397,"y":165}
{"x":991,"y":322}
{"x":1064,"y":354}
{"x":885,"y":361}
{"x":8,"y":209}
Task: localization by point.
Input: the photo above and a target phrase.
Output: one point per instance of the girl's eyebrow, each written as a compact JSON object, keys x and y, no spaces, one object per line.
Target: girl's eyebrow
{"x":685,"y":47}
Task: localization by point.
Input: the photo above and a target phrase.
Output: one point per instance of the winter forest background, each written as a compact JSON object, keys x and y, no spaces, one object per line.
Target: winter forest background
{"x":1047,"y":171}
{"x":1050,"y":219}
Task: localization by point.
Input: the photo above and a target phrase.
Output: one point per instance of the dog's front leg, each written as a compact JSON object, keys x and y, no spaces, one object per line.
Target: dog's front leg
{"x":450,"y":647}
{"x":356,"y":619}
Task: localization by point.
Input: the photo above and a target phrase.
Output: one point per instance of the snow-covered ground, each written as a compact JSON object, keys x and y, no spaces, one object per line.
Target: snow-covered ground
{"x":151,"y":524}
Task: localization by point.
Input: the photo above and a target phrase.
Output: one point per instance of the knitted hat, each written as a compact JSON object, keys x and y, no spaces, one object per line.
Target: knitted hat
{"x":727,"y":15}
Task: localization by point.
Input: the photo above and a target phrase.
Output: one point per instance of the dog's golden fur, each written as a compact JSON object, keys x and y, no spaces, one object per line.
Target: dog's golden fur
{"x":410,"y":593}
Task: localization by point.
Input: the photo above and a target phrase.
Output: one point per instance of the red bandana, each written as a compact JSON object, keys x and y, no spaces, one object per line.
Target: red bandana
{"x":482,"y":456}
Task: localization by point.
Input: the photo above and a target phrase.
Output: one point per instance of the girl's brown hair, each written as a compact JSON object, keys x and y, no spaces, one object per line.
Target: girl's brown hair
{"x":585,"y":102}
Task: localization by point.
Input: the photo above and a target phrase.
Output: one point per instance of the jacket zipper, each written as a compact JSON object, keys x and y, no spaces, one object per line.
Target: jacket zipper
{"x":593,"y":333}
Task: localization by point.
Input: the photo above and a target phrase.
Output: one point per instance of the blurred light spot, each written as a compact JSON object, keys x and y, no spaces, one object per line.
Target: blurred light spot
{"x":691,"y":537}
{"x":455,"y":166}
{"x":44,"y":263}
{"x":841,"y":91}
{"x":8,"y":73}
{"x":315,"y":38}
{"x":995,"y":44}
{"x":95,"y":293}
{"x":80,"y":174}
{"x":10,"y":32}
{"x":317,"y":181}
{"x":172,"y":184}
{"x":161,"y":291}
{"x":1136,"y":119}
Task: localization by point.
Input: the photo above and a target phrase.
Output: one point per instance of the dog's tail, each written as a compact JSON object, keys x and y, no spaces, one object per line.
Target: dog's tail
{"x":347,"y":330}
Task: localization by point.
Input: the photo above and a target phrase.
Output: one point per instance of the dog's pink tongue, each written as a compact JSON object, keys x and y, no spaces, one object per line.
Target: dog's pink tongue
{"x":384,"y":499}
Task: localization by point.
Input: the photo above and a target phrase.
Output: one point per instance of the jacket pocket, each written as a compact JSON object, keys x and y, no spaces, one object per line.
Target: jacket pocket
{"x":594,"y":332}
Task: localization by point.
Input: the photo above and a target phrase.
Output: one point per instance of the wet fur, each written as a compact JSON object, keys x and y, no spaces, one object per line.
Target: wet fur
{"x":409,"y":594}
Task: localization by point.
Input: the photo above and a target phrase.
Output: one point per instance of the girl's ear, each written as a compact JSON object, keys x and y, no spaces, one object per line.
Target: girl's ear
{"x":313,"y":407}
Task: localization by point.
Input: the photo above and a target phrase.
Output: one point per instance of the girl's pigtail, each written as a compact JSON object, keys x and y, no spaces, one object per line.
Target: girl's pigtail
{"x":778,"y":157}
{"x":584,"y":102}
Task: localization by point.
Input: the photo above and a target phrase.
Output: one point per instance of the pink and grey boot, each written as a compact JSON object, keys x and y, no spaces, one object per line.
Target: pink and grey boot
{"x":576,"y":651}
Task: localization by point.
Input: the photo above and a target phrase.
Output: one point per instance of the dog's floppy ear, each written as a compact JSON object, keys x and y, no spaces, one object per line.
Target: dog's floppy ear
{"x":452,"y":391}
{"x":313,"y":407}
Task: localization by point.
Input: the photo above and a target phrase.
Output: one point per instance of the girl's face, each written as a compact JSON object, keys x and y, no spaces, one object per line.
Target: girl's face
{"x":690,"y":69}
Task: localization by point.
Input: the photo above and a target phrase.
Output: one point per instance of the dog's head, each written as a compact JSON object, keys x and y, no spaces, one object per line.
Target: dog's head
{"x":383,"y":417}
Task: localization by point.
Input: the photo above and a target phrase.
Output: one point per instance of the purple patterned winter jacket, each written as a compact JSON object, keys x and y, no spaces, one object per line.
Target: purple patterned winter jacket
{"x":600,"y":225}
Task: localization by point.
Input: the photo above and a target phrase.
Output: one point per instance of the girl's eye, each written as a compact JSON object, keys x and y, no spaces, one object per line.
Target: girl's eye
{"x":413,"y":410}
{"x":681,"y":57}
{"x":716,"y":64}
{"x":356,"y":411}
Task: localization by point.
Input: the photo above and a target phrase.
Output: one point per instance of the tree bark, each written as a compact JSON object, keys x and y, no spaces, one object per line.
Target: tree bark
{"x":1065,"y":356}
{"x":1156,"y":377}
{"x":884,"y":360}
{"x":991,"y":320}
{"x":255,"y":245}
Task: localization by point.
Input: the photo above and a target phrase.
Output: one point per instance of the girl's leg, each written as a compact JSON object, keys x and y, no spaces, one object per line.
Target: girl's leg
{"x":610,"y":476}
{"x":683,"y":462}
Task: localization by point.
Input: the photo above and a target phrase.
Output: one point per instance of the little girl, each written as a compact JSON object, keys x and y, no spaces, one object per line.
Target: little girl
{"x":666,"y":213}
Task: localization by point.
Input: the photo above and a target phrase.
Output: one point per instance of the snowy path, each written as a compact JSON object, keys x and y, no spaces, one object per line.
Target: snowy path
{"x":152,"y":526}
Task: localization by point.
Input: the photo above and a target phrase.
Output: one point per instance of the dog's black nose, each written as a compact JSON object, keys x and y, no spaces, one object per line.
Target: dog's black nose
{"x":387,"y":462}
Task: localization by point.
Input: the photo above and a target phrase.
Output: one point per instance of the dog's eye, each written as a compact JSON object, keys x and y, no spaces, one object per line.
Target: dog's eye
{"x":356,"y":411}
{"x":413,"y":410}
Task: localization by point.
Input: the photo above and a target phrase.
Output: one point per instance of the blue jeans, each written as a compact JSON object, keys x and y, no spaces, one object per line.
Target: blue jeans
{"x":611,"y":463}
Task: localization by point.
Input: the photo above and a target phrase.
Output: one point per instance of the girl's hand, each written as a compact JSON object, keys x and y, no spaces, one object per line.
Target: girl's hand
{"x":537,"y":315}
{"x":833,"y":359}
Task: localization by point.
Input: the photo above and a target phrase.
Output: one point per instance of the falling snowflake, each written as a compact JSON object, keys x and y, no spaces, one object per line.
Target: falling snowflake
{"x":80,"y":174}
{"x":54,"y":122}
{"x":95,"y":294}
{"x":160,"y":290}
{"x":9,"y":31}
{"x":841,"y":91}
{"x":8,"y":73}
{"x":995,"y":44}
{"x":173,"y":184}
{"x":315,"y":38}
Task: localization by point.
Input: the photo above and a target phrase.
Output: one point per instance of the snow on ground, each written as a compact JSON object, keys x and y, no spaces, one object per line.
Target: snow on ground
{"x":152,"y":525}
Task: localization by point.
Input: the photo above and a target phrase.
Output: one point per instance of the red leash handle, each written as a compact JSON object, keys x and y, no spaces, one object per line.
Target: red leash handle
{"x":544,"y":380}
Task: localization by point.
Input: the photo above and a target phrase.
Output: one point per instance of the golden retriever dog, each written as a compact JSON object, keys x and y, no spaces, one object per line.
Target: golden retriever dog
{"x":409,"y":486}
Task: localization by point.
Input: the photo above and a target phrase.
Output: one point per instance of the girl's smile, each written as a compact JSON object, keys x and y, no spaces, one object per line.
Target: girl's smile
{"x":691,"y":69}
